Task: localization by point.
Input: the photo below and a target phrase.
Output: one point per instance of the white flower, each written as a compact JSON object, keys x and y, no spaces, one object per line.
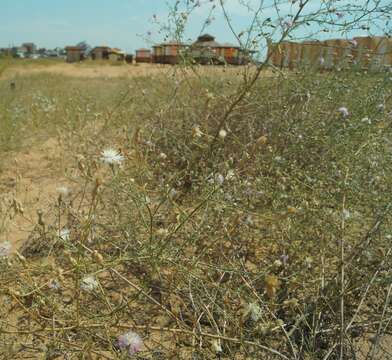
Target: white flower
{"x":222,"y":133}
{"x":89,"y":283}
{"x":5,"y":249}
{"x":343,"y":111}
{"x":254,"y":312}
{"x":162,"y":156}
{"x":111,"y":156}
{"x":321,"y":61}
{"x":64,"y":234}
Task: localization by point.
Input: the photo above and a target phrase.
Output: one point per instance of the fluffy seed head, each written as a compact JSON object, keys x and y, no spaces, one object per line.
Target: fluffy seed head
{"x":111,"y":156}
{"x":131,"y":342}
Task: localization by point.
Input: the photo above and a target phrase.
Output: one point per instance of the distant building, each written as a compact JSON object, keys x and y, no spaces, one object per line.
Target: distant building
{"x":169,"y":53}
{"x":116,"y":54}
{"x":367,"y":53}
{"x":74,"y":54}
{"x":206,"y":50}
{"x":107,"y":53}
{"x":143,"y":56}
{"x":129,"y":59}
{"x":100,"y":53}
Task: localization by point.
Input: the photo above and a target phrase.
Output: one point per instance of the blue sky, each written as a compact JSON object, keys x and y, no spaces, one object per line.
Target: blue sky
{"x":117,"y":23}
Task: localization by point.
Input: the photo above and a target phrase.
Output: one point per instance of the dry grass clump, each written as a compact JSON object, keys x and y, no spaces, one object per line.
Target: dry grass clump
{"x":256,"y":238}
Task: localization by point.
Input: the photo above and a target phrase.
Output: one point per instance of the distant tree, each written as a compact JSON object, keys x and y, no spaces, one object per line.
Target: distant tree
{"x":85,"y":46}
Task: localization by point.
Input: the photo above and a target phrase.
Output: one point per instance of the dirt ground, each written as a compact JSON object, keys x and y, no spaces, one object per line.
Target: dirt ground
{"x":28,"y":184}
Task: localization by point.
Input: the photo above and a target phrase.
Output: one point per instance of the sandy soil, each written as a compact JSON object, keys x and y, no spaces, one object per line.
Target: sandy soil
{"x":29,"y":183}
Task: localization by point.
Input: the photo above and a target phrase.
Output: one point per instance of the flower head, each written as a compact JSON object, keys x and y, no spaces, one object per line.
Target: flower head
{"x":5,"y":249}
{"x":64,"y":234}
{"x":222,"y":133}
{"x":111,"y":156}
{"x":131,"y":342}
{"x":343,"y":111}
{"x":287,"y":24}
{"x":89,"y":283}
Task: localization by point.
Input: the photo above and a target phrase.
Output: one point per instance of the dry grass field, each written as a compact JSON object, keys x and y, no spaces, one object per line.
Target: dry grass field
{"x":102,"y":69}
{"x":136,"y":224}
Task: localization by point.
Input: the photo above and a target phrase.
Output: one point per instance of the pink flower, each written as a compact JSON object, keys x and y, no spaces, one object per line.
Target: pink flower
{"x":288,"y":24}
{"x":131,"y":342}
{"x":354,"y":43}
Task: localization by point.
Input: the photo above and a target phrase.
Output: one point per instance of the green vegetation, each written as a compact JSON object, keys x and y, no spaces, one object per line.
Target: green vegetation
{"x":209,"y":242}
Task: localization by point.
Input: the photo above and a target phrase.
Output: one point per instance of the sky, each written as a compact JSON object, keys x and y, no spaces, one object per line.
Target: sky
{"x":126,"y":24}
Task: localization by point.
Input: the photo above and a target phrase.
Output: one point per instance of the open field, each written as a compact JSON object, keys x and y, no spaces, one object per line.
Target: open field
{"x":248,"y":238}
{"x":104,"y":69}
